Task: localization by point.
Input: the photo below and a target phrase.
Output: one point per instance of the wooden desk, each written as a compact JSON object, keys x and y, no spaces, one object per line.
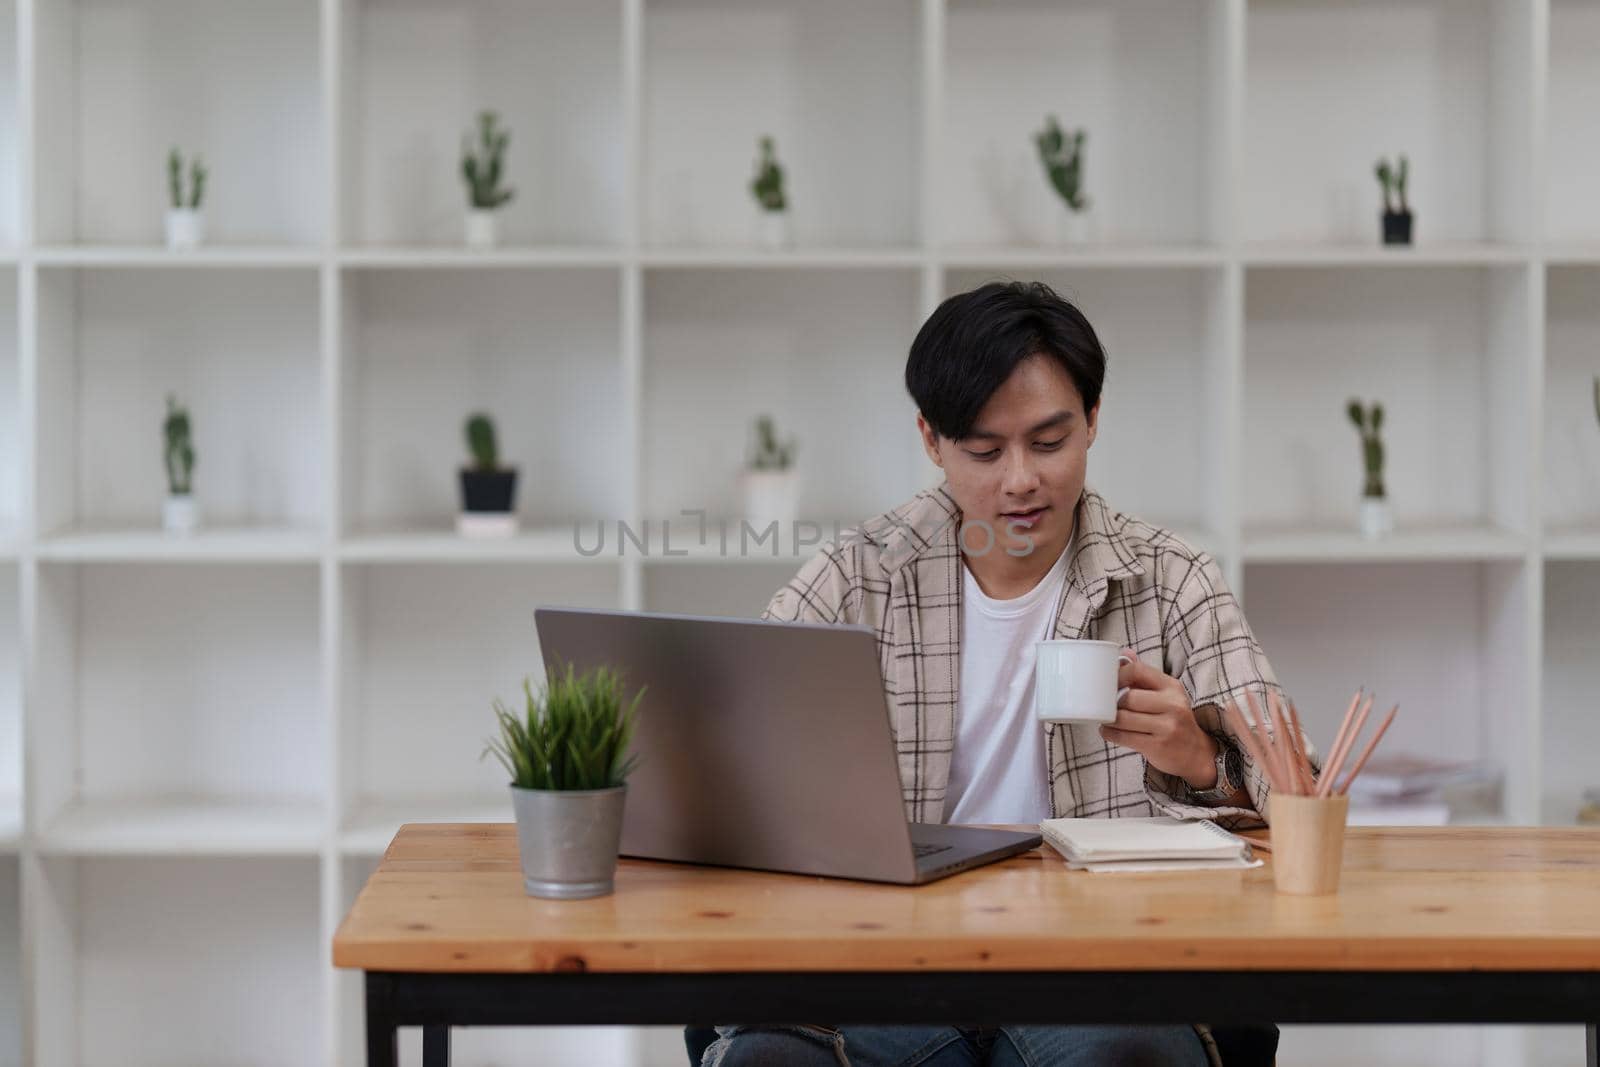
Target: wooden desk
{"x":1456,"y":925}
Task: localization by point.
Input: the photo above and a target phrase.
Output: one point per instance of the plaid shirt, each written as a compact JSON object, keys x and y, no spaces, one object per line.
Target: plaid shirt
{"x":1127,"y":581}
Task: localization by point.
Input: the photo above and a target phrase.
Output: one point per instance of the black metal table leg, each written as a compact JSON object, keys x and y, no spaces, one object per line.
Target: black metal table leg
{"x":436,"y":1046}
{"x":1591,"y":1041}
{"x":383,"y":1047}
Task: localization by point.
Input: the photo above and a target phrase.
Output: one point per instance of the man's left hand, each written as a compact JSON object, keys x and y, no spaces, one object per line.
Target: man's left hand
{"x":1155,"y":720}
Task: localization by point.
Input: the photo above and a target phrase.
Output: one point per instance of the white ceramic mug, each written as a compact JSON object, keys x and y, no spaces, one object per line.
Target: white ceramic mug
{"x":1076,"y":681}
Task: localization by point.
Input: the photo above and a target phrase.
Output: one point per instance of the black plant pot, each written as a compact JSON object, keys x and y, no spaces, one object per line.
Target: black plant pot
{"x":1397,"y":227}
{"x":489,"y":491}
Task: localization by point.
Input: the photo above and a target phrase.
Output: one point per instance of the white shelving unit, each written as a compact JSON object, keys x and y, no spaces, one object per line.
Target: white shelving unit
{"x":206,"y":743}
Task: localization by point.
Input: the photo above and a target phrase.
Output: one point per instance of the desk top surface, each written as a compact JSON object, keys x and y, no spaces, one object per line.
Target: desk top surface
{"x":449,"y":897}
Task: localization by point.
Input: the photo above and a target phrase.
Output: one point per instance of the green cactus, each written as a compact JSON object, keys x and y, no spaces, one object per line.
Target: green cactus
{"x":483,"y":168}
{"x":1393,"y":180}
{"x":197,"y":178}
{"x":767,"y":185}
{"x":175,"y":177}
{"x":769,"y":454}
{"x":1063,"y":162}
{"x":1369,"y":424}
{"x":481,"y":442}
{"x":180,"y":448}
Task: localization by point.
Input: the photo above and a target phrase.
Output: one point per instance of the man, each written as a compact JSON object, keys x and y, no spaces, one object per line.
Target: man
{"x":961,"y":582}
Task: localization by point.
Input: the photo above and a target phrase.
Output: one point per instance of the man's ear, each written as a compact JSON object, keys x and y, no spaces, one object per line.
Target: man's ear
{"x":930,"y":441}
{"x":1092,"y":419}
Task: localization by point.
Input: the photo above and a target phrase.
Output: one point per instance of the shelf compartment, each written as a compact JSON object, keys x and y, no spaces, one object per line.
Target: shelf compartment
{"x":1571,"y":424}
{"x":416,"y":696}
{"x":119,"y":82}
{"x":11,"y":987}
{"x":1144,"y":79}
{"x":11,"y":758}
{"x":1573,"y":130}
{"x":778,"y":343}
{"x":417,"y":74}
{"x":239,"y":348}
{"x":184,"y":711}
{"x":11,"y":407}
{"x":206,"y":960}
{"x":10,"y":145}
{"x":1448,"y":83}
{"x":1446,"y":640}
{"x":539,"y":352}
{"x":1450,"y":355}
{"x":701,"y":588}
{"x":1571,"y":675}
{"x":834,"y":82}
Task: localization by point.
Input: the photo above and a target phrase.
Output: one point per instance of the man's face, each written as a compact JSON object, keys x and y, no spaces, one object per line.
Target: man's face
{"x":1022,"y":468}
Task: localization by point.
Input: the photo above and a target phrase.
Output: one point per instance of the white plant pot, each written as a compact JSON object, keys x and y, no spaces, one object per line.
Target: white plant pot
{"x":186,"y":227}
{"x":1376,"y":519}
{"x":771,"y":496}
{"x":179,"y":513}
{"x":772,"y":230}
{"x":483,"y":228}
{"x":1073,"y":228}
{"x":487,"y":524}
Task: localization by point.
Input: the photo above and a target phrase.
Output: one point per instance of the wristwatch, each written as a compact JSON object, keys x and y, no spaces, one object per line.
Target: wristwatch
{"x":1230,"y":774}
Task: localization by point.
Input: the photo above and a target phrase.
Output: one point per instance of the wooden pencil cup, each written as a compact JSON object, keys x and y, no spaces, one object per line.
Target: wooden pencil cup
{"x":1307,"y":842}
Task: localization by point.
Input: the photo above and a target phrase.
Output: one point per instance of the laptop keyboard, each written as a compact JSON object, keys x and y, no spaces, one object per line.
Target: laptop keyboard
{"x":927,"y":849}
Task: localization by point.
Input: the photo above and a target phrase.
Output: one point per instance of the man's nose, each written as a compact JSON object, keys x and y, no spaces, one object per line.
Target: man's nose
{"x":1021,"y":476}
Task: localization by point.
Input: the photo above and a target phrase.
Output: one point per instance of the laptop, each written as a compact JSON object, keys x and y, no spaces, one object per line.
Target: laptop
{"x":764,"y":745}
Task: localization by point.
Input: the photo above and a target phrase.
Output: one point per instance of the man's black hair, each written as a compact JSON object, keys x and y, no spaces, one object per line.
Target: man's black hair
{"x":973,"y":341}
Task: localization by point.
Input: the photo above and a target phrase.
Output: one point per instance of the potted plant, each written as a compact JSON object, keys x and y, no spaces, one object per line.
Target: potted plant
{"x":1376,"y":520}
{"x":186,"y":223}
{"x":767,"y":187}
{"x":569,"y":763}
{"x":482,"y":170}
{"x":488,"y":490}
{"x":770,"y":484}
{"x":1062,"y":156}
{"x":179,"y":514}
{"x":1396,"y":212}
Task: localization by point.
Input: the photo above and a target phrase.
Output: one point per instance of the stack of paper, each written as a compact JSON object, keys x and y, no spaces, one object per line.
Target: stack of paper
{"x":1407,"y":790}
{"x":1161,"y":843}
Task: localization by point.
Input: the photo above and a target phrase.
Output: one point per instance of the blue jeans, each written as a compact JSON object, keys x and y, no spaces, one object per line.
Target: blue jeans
{"x":803,"y":1045}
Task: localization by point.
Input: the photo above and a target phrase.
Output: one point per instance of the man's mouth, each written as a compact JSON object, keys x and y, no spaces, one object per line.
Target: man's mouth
{"x":1025,"y":519}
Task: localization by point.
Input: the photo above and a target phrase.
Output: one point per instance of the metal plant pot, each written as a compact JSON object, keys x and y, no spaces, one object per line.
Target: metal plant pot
{"x":568,"y":840}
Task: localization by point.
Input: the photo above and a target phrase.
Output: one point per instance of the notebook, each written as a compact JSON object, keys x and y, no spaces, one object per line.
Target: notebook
{"x":1158,"y":843}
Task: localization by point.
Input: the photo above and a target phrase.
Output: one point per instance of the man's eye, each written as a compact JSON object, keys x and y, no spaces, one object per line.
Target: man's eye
{"x":984,"y":456}
{"x":1051,"y":446}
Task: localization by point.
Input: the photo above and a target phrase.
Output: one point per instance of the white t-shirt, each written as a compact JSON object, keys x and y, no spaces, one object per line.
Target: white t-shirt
{"x":997,"y":772}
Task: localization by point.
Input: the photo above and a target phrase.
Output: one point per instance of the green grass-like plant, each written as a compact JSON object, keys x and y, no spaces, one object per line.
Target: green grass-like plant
{"x":574,"y":734}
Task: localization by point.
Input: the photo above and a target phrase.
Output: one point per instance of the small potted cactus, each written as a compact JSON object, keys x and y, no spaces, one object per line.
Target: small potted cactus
{"x":179,"y":515}
{"x":186,"y":222}
{"x":482,"y":169}
{"x":773,"y":202}
{"x":1396,"y":211}
{"x":488,"y":490}
{"x":1376,"y":520}
{"x":1062,"y":156}
{"x":769,"y":483}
